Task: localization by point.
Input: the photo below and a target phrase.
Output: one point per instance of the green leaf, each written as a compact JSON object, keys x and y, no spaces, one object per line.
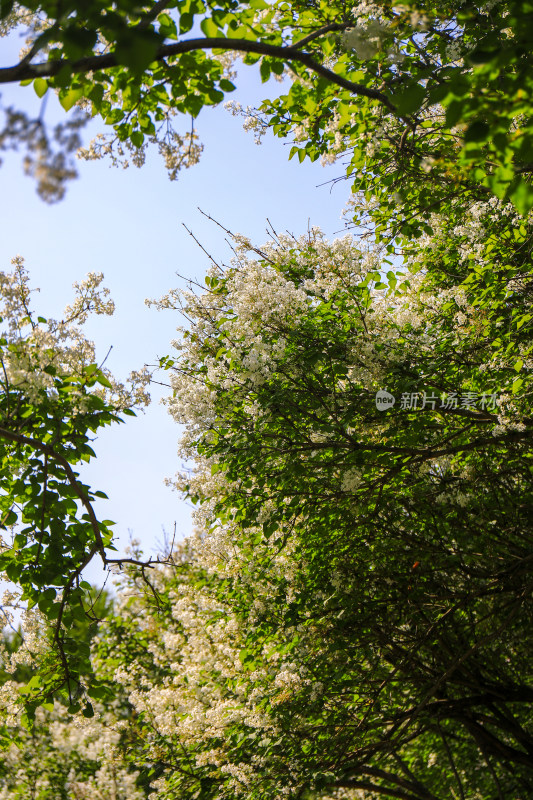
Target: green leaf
{"x":210,"y":28}
{"x":410,"y":100}
{"x":137,"y":140}
{"x":454,"y":112}
{"x":6,"y":7}
{"x":167,"y":26}
{"x":101,"y":378}
{"x":186,"y":22}
{"x":226,"y":86}
{"x":137,"y":49}
{"x":437,"y":94}
{"x":9,"y":519}
{"x":482,"y":55}
{"x":522,"y":196}
{"x":193,"y":104}
{"x":522,"y":320}
{"x":41,"y":86}
{"x":215,"y":96}
{"x":69,"y":97}
{"x":477,"y":131}
{"x":63,"y":77}
{"x":264,"y":69}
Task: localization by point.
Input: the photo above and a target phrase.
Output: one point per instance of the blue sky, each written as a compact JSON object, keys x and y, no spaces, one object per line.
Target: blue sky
{"x":128,"y":225}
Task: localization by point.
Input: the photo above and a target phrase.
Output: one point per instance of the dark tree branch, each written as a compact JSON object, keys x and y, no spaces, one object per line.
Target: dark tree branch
{"x":48,"y":69}
{"x":71,"y":477}
{"x":333,"y":26}
{"x":411,"y":786}
{"x":152,"y":14}
{"x":494,"y":746}
{"x":452,"y":762}
{"x":387,"y":791}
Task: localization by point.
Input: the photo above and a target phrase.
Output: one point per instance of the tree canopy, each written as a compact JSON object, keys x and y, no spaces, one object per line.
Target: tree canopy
{"x":351,"y":617}
{"x":438,"y":92}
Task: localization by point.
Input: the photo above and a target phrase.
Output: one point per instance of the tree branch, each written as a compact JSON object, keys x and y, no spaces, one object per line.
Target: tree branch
{"x":374,"y":787}
{"x":152,"y":14}
{"x":71,"y":477}
{"x":333,"y":26}
{"x":48,"y":69}
{"x":417,"y":788}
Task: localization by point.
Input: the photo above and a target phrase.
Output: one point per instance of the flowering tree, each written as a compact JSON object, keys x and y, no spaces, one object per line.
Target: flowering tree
{"x":351,"y":618}
{"x":53,"y":398}
{"x":370,"y":592}
{"x":432,"y":91}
